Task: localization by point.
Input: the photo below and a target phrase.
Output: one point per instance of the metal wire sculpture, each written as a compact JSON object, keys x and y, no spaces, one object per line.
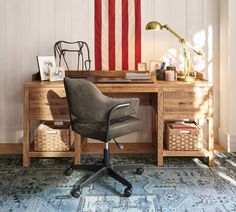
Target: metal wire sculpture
{"x":79,"y":47}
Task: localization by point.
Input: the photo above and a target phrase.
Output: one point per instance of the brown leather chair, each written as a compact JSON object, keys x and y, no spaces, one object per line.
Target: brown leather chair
{"x":97,"y":116}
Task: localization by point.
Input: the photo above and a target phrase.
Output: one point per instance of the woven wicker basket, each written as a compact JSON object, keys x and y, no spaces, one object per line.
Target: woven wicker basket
{"x":183,"y":139}
{"x":51,"y":138}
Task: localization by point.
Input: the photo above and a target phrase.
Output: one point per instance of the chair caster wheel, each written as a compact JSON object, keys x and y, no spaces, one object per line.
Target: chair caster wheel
{"x":68,"y":171}
{"x":127,"y":192}
{"x":76,"y":192}
{"x":139,"y":171}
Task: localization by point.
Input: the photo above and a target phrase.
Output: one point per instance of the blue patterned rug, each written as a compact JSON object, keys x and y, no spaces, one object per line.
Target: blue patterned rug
{"x":183,"y":184}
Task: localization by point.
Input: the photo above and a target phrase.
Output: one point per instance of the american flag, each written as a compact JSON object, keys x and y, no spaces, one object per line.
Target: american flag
{"x":117,"y":34}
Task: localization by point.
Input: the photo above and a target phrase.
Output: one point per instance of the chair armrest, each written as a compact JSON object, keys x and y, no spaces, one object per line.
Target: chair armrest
{"x":123,"y":111}
{"x":121,"y":105}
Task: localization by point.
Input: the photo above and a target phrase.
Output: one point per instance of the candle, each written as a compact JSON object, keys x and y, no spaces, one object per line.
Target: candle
{"x":169,"y":75}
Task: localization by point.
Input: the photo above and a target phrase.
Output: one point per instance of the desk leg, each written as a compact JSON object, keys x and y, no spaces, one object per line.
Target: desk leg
{"x":84,"y":142}
{"x":160,"y":129}
{"x":26,"y":126}
{"x":26,"y":144}
{"x":154,"y":118}
{"x":210,"y":130}
{"x":77,"y":149}
{"x":210,"y":142}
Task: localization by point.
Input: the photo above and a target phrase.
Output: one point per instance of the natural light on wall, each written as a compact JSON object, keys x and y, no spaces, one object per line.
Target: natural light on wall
{"x":210,"y":54}
{"x":202,"y":41}
{"x":199,"y":41}
{"x":171,"y":54}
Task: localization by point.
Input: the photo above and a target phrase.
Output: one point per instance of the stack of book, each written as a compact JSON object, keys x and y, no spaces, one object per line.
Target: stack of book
{"x":184,"y":125}
{"x":137,"y":76}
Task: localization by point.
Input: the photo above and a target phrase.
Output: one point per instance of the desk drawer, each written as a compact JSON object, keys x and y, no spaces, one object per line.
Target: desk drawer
{"x":195,"y":101}
{"x":47,"y":104}
{"x":45,"y":94}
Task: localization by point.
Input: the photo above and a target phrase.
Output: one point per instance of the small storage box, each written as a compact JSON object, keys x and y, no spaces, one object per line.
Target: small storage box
{"x":183,"y":138}
{"x":51,"y":138}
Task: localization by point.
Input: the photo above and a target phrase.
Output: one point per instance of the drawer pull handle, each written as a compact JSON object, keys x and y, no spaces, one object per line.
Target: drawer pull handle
{"x":185,"y":103}
{"x":185,"y":132}
{"x":51,"y":132}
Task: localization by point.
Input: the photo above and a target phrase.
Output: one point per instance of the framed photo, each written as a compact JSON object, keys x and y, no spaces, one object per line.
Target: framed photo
{"x":44,"y":64}
{"x":142,"y":67}
{"x":154,"y":65}
{"x":56,"y":73}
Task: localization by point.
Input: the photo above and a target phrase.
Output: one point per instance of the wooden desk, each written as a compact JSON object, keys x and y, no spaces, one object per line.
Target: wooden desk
{"x":169,"y":101}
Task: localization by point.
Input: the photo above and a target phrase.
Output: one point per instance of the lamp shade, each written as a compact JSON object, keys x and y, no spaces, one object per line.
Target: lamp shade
{"x":153,"y":25}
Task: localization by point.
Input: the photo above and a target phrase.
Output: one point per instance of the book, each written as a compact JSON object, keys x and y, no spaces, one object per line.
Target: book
{"x":138,"y":75}
{"x":112,"y":80}
{"x":184,"y":126}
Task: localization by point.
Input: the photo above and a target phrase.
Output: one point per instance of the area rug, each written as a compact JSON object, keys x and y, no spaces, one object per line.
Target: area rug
{"x":183,"y":184}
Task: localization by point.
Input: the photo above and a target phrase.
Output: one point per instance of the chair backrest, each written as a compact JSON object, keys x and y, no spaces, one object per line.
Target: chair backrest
{"x":64,"y":51}
{"x":88,"y":105}
{"x":83,"y":97}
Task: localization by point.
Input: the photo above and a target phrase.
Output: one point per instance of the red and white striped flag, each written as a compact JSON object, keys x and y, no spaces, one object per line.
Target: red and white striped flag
{"x":117,"y":34}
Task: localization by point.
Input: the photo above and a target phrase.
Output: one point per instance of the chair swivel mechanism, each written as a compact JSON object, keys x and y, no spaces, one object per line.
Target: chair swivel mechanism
{"x":100,"y":117}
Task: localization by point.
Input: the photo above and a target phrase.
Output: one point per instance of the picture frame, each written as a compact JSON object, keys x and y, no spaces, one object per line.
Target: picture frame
{"x":154,"y":65}
{"x":57,"y":73}
{"x":142,"y":67}
{"x":44,"y":64}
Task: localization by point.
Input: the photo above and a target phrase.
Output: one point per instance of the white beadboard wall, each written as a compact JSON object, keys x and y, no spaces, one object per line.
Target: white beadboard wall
{"x":31,"y":27}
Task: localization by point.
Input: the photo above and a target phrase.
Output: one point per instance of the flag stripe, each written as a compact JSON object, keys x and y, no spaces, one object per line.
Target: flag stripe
{"x":111,"y":25}
{"x":131,"y":35}
{"x":117,"y":34}
{"x":118,"y":39}
{"x":105,"y":50}
{"x":125,"y":31}
{"x":98,"y":34}
{"x":137,"y":33}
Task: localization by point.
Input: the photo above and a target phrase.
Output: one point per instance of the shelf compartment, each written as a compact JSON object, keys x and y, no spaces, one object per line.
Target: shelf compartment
{"x":128,"y":148}
{"x":198,"y":153}
{"x":36,"y":154}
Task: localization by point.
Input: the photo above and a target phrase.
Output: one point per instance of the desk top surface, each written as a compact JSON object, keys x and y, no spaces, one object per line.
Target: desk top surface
{"x":156,"y":84}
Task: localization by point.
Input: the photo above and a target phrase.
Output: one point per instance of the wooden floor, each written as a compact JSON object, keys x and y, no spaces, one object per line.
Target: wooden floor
{"x":8,"y":148}
{"x":92,"y":148}
{"x":219,"y":148}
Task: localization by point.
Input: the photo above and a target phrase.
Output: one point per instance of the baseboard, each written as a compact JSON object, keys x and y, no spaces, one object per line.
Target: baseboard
{"x":9,"y":148}
{"x":223,"y":139}
{"x":232,"y":142}
{"x":227,"y":141}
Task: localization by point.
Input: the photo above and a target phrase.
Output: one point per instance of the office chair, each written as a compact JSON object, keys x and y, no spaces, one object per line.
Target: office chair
{"x":63,"y":48}
{"x":97,"y":116}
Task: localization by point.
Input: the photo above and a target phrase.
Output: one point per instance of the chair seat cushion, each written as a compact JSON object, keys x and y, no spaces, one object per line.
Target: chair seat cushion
{"x":118,"y":127}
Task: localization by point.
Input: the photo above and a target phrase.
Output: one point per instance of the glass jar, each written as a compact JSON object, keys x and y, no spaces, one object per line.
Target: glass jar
{"x":171,"y":73}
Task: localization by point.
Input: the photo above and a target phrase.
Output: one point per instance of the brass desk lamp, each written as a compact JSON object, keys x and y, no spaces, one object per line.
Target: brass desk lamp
{"x":189,"y":72}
